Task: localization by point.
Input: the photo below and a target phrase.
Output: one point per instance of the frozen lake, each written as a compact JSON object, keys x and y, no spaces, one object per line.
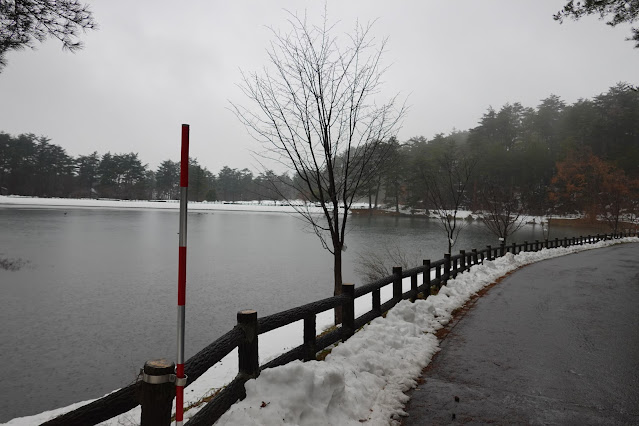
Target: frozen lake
{"x":96,"y":290}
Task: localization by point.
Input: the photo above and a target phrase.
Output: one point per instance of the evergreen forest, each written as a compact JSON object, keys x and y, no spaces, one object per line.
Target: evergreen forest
{"x":553,"y":158}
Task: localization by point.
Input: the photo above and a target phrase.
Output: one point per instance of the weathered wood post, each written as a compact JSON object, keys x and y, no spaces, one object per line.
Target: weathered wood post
{"x":426,"y":277}
{"x":413,"y":287}
{"x":525,"y":245}
{"x":310,"y":337}
{"x":514,"y":248}
{"x":475,"y":257}
{"x":556,"y":243}
{"x":157,"y":391}
{"x":446,"y":274}
{"x":348,"y":310}
{"x":454,"y":271}
{"x":462,"y":260}
{"x":597,"y":238}
{"x":377,"y":302}
{"x":490,"y":252}
{"x":397,"y":284}
{"x":248,"y":349}
{"x":438,"y":275}
{"x":565,"y":241}
{"x":546,"y":243}
{"x":589,"y":241}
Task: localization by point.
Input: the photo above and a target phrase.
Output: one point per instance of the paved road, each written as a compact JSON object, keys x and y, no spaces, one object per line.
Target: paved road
{"x":557,"y":342}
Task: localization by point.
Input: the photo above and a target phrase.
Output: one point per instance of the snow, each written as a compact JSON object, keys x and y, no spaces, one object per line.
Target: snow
{"x":363,"y":380}
{"x":259,"y":206}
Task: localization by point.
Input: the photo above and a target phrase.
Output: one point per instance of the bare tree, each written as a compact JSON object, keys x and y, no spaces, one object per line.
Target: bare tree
{"x":316,"y":114}
{"x":446,"y":179}
{"x":502,"y":210}
{"x":24,"y":21}
{"x":374,"y":265}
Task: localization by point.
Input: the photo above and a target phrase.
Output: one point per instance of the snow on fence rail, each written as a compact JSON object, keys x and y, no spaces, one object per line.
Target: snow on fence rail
{"x":244,"y":335}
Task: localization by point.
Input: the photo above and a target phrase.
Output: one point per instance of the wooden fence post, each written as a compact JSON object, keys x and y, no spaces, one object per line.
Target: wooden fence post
{"x":397,"y":284}
{"x":413,"y":287}
{"x":248,"y":350}
{"x":426,"y":277}
{"x":475,"y":257}
{"x":525,"y":245}
{"x":157,"y":391}
{"x":438,"y":274}
{"x":377,"y":302}
{"x":514,"y":248}
{"x":310,"y":336}
{"x":462,"y":260}
{"x":453,"y":273}
{"x":348,"y":310}
{"x":502,"y":246}
{"x":446,"y":274}
{"x":490,"y":252}
{"x":545,"y":242}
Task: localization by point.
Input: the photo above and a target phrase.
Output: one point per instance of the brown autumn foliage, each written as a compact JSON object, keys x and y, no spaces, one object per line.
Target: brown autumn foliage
{"x":584,"y":183}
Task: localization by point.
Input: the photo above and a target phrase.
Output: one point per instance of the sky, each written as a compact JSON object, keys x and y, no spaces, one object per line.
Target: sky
{"x":154,"y":65}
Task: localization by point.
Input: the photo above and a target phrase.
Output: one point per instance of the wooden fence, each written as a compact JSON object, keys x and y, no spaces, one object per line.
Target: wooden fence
{"x":245,"y":334}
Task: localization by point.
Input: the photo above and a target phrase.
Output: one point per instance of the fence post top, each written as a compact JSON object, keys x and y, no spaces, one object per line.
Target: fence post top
{"x":247,"y":315}
{"x":158,"y":364}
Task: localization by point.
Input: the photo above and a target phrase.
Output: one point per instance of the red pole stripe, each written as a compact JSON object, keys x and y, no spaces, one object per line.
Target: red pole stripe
{"x":184,"y":162}
{"x":179,"y":395}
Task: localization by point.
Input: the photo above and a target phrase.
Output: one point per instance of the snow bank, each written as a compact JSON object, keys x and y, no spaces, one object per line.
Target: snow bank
{"x":364,"y":379}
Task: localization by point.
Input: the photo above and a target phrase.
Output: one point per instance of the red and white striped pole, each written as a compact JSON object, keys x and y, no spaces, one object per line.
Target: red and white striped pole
{"x":184,"y":186}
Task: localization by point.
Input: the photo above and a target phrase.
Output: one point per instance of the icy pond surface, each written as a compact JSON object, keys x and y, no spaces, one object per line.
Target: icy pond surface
{"x":93,"y":291}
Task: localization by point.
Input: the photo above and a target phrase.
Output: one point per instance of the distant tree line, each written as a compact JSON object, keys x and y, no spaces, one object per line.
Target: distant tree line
{"x":525,"y":152}
{"x":31,"y":165}
{"x":555,"y":158}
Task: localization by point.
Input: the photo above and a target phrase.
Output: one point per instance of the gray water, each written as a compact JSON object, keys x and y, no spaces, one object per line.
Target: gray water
{"x":94,"y":293}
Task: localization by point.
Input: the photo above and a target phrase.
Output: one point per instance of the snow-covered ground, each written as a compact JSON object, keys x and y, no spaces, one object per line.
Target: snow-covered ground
{"x":252,"y":206}
{"x":364,"y":379}
{"x":258,"y":206}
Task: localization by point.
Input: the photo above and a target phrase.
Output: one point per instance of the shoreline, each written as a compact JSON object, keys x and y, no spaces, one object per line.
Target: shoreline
{"x":358,"y":209}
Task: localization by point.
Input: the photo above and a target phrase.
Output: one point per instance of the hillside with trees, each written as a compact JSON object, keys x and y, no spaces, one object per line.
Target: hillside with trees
{"x":555,"y":158}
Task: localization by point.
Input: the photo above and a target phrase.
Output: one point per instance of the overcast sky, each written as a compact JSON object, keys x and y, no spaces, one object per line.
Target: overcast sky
{"x":154,"y":65}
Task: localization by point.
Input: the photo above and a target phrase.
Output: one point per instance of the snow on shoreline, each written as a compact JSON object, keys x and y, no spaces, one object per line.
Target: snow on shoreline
{"x":251,"y":206}
{"x":364,"y":379}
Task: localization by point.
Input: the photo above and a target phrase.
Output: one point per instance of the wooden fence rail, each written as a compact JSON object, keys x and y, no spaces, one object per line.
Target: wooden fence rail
{"x":245,"y":335}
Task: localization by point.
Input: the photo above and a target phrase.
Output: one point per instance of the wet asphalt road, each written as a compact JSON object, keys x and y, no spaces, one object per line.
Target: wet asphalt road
{"x":556,"y":342}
